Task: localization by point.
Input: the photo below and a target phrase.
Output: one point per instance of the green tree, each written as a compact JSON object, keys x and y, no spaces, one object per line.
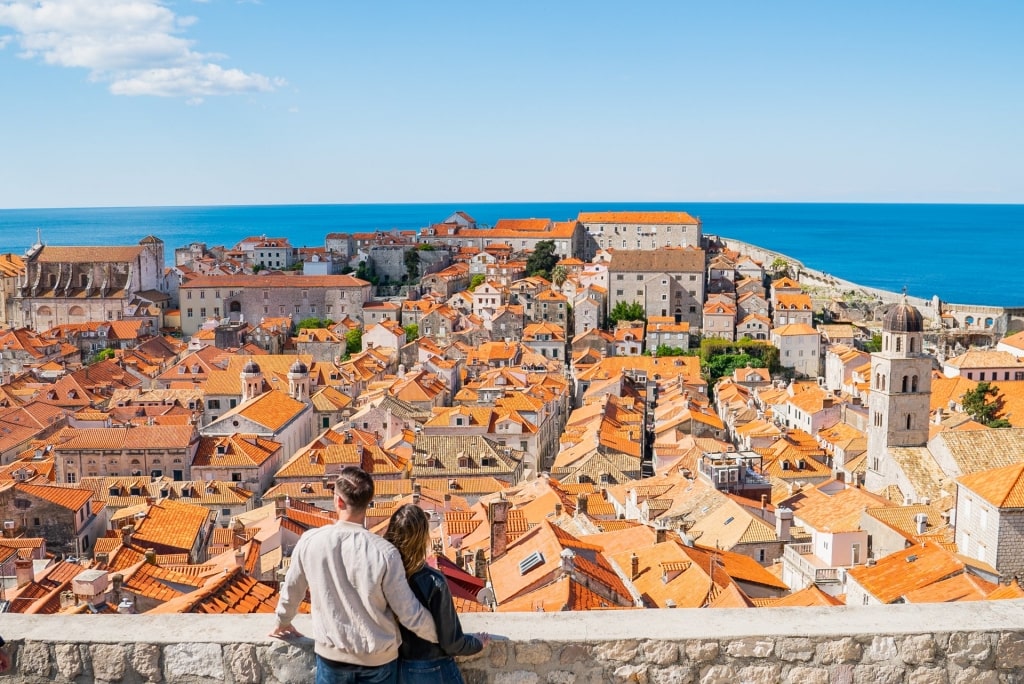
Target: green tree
{"x":365,"y":271}
{"x":558,"y":275}
{"x":412,"y":264}
{"x":542,"y":259}
{"x":665,"y":350}
{"x":780,"y":267}
{"x":354,"y":341}
{"x":476,"y":280}
{"x":102,"y":355}
{"x":875,"y":344}
{"x":412,"y":332}
{"x":633,"y":311}
{"x":977,"y":404}
{"x":314,"y":323}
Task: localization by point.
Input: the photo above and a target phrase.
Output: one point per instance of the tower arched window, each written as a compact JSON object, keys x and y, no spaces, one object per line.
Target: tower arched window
{"x":906,"y":383}
{"x":908,"y":421}
{"x":913,"y":384}
{"x":910,"y":344}
{"x":899,"y":344}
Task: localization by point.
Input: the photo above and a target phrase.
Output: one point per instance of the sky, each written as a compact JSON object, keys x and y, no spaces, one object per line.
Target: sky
{"x":226,"y":102}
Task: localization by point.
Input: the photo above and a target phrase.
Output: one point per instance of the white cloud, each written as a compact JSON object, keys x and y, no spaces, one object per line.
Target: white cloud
{"x":134,"y":45}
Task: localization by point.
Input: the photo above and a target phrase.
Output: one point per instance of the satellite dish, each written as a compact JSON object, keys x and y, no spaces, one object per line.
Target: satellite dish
{"x":486,"y":596}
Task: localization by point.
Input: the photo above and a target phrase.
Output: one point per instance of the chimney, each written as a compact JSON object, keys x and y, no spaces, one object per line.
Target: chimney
{"x":497,"y":512}
{"x":568,"y":562}
{"x":102,"y":558}
{"x":783,"y":521}
{"x":764,"y":502}
{"x":151,"y":556}
{"x":116,"y":580}
{"x":660,"y":533}
{"x":447,"y":501}
{"x":126,"y":535}
{"x":416,"y":493}
{"x":237,"y":534}
{"x":24,"y":572}
{"x":922,"y":523}
{"x":239,"y":558}
{"x":280,"y":508}
{"x":480,"y":564}
{"x":581,"y":504}
{"x":558,"y":509}
{"x":634,"y":567}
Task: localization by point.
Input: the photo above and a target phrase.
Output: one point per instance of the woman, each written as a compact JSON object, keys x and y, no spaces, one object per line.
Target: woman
{"x":423,"y":662}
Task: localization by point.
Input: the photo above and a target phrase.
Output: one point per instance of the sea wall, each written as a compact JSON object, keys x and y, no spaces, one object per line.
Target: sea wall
{"x":980,"y":643}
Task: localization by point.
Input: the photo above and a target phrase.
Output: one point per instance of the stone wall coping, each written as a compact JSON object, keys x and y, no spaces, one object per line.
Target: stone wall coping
{"x":575,"y":627}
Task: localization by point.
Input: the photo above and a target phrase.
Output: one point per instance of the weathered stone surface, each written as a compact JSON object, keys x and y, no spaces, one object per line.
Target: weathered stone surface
{"x":880,"y":650}
{"x":838,"y":651}
{"x":243,"y":663}
{"x":972,"y":675}
{"x":966,"y":648}
{"x":473,"y":675}
{"x":807,"y":675}
{"x":286,"y":662}
{"x":193,"y":660}
{"x":633,"y":674}
{"x":761,"y":674}
{"x":532,"y":653}
{"x":108,"y":661}
{"x":497,"y":653}
{"x":69,"y":660}
{"x":145,"y":660}
{"x":621,"y":651}
{"x":517,"y":677}
{"x":659,"y":652}
{"x":918,"y":649}
{"x":573,"y":653}
{"x":796,"y":649}
{"x":718,"y":674}
{"x":34,"y":659}
{"x":560,"y":677}
{"x":878,"y":674}
{"x":750,"y":648}
{"x":677,"y":674}
{"x":928,"y":675}
{"x":702,"y":651}
{"x":841,"y":674}
{"x":1010,"y":651}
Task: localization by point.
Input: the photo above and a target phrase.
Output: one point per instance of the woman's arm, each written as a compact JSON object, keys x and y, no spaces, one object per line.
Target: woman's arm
{"x":450,"y":636}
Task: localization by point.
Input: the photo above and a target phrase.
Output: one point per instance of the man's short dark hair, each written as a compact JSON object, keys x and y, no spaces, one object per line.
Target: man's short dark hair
{"x":355,"y":487}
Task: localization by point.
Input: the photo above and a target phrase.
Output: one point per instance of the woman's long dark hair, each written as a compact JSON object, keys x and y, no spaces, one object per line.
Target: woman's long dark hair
{"x":409,"y":532}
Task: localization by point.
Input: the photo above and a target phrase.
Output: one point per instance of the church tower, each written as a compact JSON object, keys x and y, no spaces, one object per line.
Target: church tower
{"x":298,"y":381}
{"x":901,"y":387}
{"x":252,"y":381}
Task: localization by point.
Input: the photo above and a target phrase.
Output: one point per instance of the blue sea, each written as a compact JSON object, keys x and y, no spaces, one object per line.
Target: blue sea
{"x":962,"y":253}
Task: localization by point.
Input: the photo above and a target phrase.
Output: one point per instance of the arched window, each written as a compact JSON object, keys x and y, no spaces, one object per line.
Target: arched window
{"x":899,"y":341}
{"x":883,"y":383}
{"x":908,"y":421}
{"x":910,"y":344}
{"x":906,"y":383}
{"x":913,"y":384}
{"x":969,"y":320}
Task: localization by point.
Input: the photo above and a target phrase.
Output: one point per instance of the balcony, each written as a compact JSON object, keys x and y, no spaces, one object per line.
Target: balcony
{"x":981,"y":641}
{"x":802,"y":558}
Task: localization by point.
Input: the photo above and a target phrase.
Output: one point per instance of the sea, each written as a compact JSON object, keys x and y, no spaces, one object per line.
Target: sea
{"x":963,"y":253}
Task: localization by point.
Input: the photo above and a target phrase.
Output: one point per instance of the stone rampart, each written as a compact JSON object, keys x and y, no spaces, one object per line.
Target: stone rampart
{"x":979,"y":643}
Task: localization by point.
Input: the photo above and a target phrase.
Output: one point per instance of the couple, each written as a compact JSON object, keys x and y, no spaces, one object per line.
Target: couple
{"x":359,"y":583}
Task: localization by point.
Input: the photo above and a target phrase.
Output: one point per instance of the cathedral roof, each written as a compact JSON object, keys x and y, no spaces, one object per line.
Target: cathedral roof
{"x":903,"y":318}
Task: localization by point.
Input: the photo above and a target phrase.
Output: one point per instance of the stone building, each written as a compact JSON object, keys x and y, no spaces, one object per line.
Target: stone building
{"x":521,"y":235}
{"x":667,"y":282}
{"x":153,"y":450}
{"x":78,"y":284}
{"x":990,"y":517}
{"x":63,"y":516}
{"x":252,"y":298}
{"x":640,"y":230}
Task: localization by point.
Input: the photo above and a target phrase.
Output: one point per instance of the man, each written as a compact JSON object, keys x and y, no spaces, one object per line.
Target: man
{"x":357,"y":587}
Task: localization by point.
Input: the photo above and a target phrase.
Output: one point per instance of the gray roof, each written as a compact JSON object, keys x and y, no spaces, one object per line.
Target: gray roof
{"x":657,"y":261}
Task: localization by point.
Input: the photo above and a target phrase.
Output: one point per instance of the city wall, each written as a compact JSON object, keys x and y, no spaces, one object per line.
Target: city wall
{"x":956,"y":643}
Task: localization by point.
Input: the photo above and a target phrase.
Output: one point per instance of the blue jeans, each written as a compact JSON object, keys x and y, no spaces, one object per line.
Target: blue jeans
{"x":331,"y":672}
{"x":439,"y":671}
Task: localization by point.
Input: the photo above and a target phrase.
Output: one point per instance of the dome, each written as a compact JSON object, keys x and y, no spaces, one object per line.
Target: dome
{"x":903,"y":318}
{"x":298,"y":367}
{"x":251,"y":367}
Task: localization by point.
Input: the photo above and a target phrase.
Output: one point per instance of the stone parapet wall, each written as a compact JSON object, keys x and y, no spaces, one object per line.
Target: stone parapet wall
{"x":979,"y":643}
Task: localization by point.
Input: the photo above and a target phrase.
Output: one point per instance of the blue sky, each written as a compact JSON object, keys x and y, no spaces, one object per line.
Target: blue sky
{"x":140,"y":102}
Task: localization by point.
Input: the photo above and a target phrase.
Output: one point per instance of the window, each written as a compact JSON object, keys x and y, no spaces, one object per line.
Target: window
{"x":202,"y":311}
{"x":189,"y":295}
{"x":236,"y":477}
{"x":216,"y":311}
{"x":188,"y":313}
{"x":202,"y":294}
{"x":619,"y":276}
{"x":692,"y":277}
{"x":213,"y":403}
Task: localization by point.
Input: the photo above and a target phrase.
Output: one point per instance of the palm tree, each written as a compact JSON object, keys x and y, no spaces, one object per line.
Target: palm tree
{"x":558,"y":276}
